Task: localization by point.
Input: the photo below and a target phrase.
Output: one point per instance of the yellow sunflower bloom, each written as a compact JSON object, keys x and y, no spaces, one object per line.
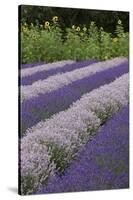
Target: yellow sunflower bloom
{"x":55,"y":19}
{"x":119,"y":22}
{"x":46,"y":25}
{"x":24,"y":29}
{"x":78,"y":29}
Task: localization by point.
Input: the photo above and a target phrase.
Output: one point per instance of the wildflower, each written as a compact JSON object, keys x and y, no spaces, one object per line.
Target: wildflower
{"x":24,"y":29}
{"x":55,"y":19}
{"x":73,"y":27}
{"x":119,"y":22}
{"x":78,"y":29}
{"x":46,"y":25}
{"x":115,"y":39}
{"x":101,"y":28}
{"x":41,"y":26}
{"x":84,"y":29}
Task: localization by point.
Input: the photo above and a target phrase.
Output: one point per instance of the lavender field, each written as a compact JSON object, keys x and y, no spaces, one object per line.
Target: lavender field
{"x":74,"y":126}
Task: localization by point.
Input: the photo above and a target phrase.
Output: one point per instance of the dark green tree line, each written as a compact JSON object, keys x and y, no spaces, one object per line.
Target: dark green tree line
{"x":70,"y":16}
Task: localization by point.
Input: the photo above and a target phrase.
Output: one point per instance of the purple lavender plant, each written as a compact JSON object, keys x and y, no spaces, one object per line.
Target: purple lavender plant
{"x":45,"y":105}
{"x":44,"y":74}
{"x":103,"y":163}
{"x":23,"y":66}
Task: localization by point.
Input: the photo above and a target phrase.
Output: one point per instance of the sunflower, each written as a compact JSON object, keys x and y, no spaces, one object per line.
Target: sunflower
{"x":78,"y":29}
{"x":46,"y":25}
{"x":119,"y":22}
{"x":55,"y":19}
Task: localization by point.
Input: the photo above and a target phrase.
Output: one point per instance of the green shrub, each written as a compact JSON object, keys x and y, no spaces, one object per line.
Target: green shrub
{"x":47,"y":42}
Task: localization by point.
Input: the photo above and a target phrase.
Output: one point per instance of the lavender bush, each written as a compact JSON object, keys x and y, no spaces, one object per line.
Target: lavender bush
{"x":29,"y":65}
{"x":43,"y":74}
{"x":46,"y":67}
{"x":64,"y":133}
{"x":103,"y":162}
{"x":54,"y":82}
{"x":39,"y":170}
{"x":45,"y":105}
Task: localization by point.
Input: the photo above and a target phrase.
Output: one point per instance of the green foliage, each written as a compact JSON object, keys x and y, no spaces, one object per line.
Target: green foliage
{"x":105,"y":45}
{"x":48,"y":43}
{"x":28,"y":185}
{"x":70,"y":16}
{"x":59,"y":155}
{"x":72,"y":45}
{"x":120,"y":46}
{"x":39,"y":44}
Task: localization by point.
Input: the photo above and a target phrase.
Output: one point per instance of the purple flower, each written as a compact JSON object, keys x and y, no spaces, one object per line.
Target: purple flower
{"x":44,"y":74}
{"x":45,"y":105}
{"x":103,"y":163}
{"x":23,"y":66}
{"x":61,"y":79}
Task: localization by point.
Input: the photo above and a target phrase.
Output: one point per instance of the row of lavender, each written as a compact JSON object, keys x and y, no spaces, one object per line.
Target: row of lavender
{"x":57,"y":81}
{"x":51,"y":144}
{"x":102,"y":164}
{"x":42,"y":72}
{"x":46,"y":104}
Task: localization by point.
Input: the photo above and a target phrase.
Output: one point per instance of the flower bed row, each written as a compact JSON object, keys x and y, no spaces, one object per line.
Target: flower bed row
{"x":103,"y":163}
{"x":29,"y":65}
{"x":45,"y":105}
{"x":59,"y":80}
{"x":46,"y":71}
{"x":50,"y":145}
{"x":30,"y":71}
